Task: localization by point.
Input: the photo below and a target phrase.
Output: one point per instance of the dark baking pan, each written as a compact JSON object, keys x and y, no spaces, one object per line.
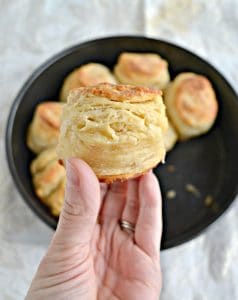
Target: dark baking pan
{"x":202,"y":171}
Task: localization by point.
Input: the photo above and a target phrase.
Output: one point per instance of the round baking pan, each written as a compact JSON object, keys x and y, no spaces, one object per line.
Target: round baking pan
{"x":201,"y":172}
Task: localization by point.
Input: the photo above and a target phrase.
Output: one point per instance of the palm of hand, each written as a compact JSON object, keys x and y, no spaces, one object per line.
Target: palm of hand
{"x":123,"y":270}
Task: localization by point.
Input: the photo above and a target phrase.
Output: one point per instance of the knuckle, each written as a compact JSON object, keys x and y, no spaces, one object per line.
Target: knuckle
{"x":132,"y":205}
{"x":117,"y":187}
{"x":72,"y":209}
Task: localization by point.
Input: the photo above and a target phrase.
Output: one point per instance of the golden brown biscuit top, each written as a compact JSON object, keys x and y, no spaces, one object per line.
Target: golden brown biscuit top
{"x":141,"y":64}
{"x":118,"y":93}
{"x":50,"y":113}
{"x":195,"y":100}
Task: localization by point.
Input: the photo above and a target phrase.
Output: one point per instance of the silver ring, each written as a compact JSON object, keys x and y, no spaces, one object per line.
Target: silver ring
{"x":127,"y":226}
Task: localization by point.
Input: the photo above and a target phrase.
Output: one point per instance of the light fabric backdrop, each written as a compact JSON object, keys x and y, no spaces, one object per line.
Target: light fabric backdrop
{"x":32,"y":31}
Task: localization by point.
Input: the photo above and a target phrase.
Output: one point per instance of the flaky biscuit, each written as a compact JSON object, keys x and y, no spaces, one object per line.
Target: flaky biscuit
{"x":49,"y":179}
{"x":56,"y":199}
{"x":142,"y":69}
{"x":191,"y":104}
{"x":86,"y":75}
{"x":117,"y":129}
{"x":43,"y":131}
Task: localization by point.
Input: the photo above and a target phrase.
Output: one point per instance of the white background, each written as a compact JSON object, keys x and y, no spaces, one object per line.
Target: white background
{"x":32,"y":31}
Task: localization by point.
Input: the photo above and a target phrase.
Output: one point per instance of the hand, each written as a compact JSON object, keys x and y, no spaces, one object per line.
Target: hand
{"x":90,"y":256}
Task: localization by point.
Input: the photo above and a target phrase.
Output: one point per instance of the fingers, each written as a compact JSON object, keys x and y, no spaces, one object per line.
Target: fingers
{"x":149,"y":223}
{"x":131,"y":208}
{"x":103,"y":189}
{"x":114,"y":202}
{"x":81,"y":205}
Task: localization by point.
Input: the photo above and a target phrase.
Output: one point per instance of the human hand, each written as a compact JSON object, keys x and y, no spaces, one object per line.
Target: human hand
{"x":90,"y":256}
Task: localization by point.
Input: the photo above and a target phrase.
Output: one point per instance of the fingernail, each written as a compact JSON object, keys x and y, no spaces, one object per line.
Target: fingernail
{"x":71,"y":173}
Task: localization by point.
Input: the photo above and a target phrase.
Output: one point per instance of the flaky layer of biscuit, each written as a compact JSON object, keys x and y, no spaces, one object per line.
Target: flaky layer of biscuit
{"x":122,"y":177}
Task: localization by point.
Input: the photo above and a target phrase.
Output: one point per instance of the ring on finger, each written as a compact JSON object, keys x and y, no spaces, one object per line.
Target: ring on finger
{"x":127,"y":226}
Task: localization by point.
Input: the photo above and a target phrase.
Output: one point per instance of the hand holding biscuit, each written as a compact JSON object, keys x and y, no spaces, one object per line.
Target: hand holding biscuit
{"x":92,"y":256}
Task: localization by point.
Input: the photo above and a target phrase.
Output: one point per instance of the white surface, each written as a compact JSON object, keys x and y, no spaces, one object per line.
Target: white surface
{"x":30,"y":32}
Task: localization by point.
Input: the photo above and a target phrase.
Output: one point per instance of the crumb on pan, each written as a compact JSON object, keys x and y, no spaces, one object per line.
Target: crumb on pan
{"x":192,"y":189}
{"x":209,"y":200}
{"x":171,"y":194}
{"x":215,"y":207}
{"x":171,"y":168}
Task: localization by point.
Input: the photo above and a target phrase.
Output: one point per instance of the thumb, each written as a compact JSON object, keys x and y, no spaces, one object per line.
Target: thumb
{"x":81,"y":205}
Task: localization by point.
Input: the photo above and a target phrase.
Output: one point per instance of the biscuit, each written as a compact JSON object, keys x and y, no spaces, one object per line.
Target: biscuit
{"x":170,"y":138}
{"x":86,"y":75}
{"x":55,"y":200}
{"x":142,"y":69}
{"x":43,"y":131}
{"x":191,"y":105}
{"x":117,"y":129}
{"x":49,"y":180}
